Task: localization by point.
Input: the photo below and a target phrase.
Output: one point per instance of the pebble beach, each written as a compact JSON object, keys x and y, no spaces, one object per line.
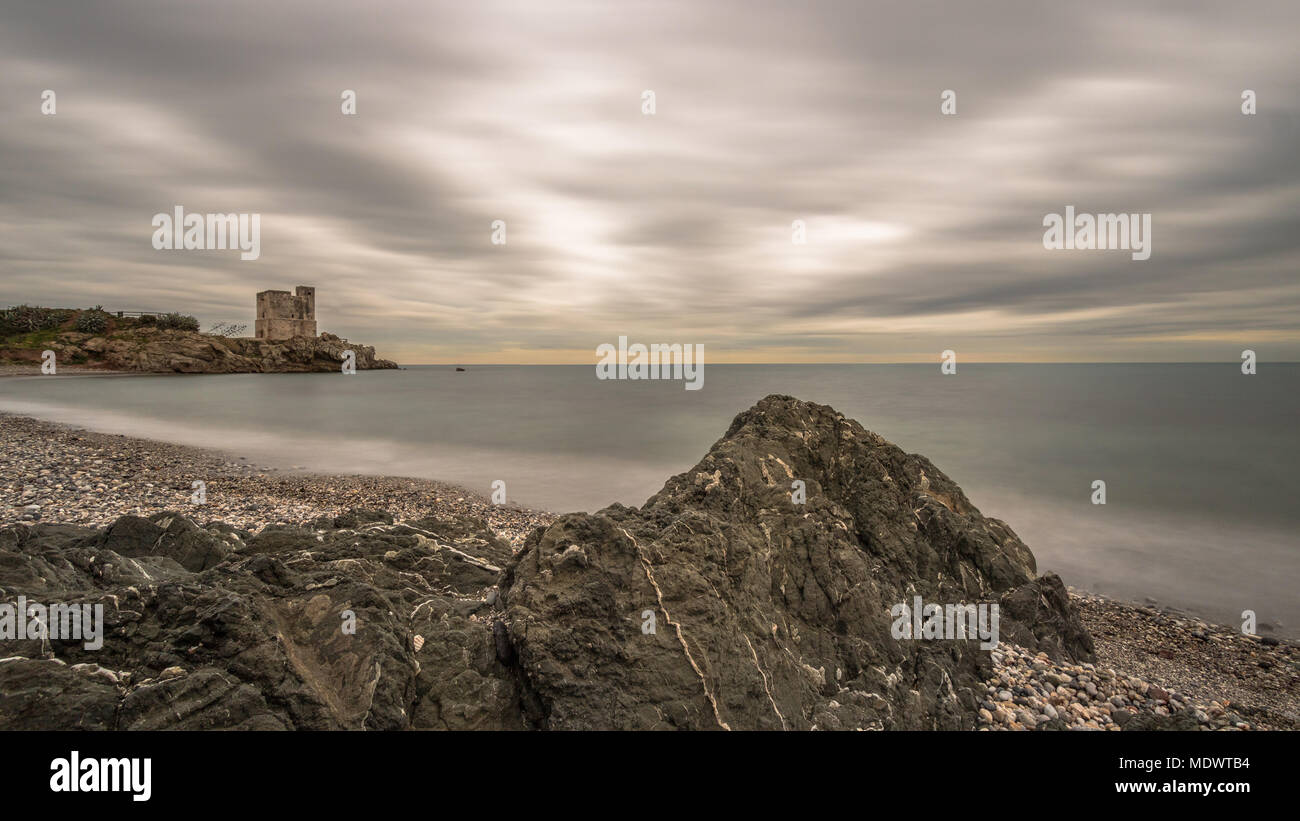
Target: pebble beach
{"x":64,"y":474}
{"x":1156,"y":668}
{"x":1160,"y":673}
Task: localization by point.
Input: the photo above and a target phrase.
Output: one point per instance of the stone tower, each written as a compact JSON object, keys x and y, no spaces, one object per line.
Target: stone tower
{"x":281,"y":315}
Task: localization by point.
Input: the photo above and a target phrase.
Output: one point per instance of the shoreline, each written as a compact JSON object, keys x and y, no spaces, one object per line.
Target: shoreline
{"x":109,"y":475}
{"x":1174,"y":667}
{"x":80,"y":370}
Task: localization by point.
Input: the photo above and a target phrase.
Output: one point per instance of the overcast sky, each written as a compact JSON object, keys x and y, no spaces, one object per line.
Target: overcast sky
{"x":924,"y":231}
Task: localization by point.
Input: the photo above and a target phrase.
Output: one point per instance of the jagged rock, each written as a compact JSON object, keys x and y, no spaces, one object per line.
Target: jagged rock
{"x":167,"y":535}
{"x":718,"y":604}
{"x":771,"y":614}
{"x":45,"y":694}
{"x":217,"y":632}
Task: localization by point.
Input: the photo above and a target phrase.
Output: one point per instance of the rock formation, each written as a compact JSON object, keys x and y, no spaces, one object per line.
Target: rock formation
{"x":766,"y":614}
{"x":216,"y":628}
{"x":154,"y":350}
{"x":770,"y":614}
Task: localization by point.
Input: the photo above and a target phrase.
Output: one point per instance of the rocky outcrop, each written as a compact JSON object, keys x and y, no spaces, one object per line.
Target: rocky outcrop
{"x":722,"y":603}
{"x":376,"y":626}
{"x":152,"y":350}
{"x":771,"y":614}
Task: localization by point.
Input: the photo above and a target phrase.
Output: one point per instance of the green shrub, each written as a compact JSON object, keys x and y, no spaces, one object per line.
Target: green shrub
{"x":92,"y":321}
{"x":147,"y":319}
{"x":26,"y":319}
{"x":178,"y":322}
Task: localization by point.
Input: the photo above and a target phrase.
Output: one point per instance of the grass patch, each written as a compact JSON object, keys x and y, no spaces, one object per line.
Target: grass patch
{"x":36,"y":339}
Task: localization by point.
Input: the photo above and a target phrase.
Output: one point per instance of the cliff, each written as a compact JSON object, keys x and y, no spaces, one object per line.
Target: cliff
{"x":155,"y":350}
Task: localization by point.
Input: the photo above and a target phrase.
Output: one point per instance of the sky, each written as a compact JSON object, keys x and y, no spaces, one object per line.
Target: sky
{"x":924,"y":230}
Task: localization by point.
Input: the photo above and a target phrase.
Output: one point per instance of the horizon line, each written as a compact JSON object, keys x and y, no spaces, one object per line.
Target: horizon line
{"x":980,"y":362}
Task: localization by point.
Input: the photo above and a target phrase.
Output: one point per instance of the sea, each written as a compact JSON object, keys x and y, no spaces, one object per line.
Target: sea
{"x":1199,"y":461}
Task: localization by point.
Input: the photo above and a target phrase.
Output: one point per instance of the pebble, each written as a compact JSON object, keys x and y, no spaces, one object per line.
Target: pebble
{"x":63,"y":474}
{"x":1096,"y":701}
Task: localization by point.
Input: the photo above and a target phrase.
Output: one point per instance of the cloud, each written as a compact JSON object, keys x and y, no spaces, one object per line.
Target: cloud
{"x":924,"y":230}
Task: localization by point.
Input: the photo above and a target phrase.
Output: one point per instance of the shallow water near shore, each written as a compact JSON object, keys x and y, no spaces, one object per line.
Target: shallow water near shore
{"x":1199,"y":460}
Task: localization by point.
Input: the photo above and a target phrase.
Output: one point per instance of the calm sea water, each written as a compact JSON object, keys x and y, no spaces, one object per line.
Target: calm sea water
{"x":1199,"y":461}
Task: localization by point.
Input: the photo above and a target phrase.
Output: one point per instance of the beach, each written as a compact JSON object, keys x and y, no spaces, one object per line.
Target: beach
{"x":59,"y":473}
{"x":1153,"y":664}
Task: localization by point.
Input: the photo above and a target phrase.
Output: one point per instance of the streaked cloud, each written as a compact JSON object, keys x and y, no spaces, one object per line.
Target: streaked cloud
{"x":924,"y":231}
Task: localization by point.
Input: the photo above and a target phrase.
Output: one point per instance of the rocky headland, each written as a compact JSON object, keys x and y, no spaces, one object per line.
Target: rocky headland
{"x":142,"y":345}
{"x":151,"y":350}
{"x":718,"y":604}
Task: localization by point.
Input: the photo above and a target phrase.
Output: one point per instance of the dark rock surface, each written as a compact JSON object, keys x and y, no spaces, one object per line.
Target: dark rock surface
{"x":771,"y":614}
{"x":767,"y":614}
{"x":216,"y":628}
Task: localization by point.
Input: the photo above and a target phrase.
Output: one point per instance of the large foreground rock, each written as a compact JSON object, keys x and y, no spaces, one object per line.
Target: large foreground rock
{"x":719,"y":604}
{"x":771,"y":614}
